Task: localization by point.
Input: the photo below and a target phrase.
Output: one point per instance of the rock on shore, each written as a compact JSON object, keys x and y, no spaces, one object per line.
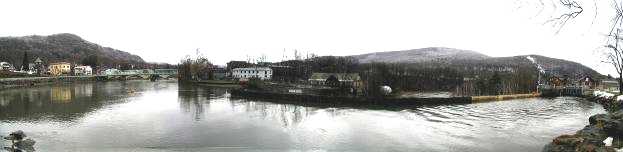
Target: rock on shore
{"x":591,"y":138}
{"x":609,"y":101}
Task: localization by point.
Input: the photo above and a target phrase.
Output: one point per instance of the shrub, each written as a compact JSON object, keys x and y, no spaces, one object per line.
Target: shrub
{"x":255,"y":83}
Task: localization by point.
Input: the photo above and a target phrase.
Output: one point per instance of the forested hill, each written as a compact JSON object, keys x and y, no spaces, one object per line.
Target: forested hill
{"x":561,"y":66}
{"x":474,"y":62}
{"x":421,"y":55}
{"x":61,"y":47}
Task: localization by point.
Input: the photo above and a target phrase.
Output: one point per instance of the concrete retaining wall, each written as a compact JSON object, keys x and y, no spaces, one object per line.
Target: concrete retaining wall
{"x":503,"y":97}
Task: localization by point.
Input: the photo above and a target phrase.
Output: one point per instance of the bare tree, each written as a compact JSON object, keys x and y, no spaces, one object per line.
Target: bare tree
{"x":297,"y":55}
{"x":615,"y":55}
{"x":191,"y":69}
{"x":263,"y":58}
{"x":573,"y":9}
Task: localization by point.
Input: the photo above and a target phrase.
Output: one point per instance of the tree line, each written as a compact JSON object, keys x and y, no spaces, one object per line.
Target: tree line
{"x":462,"y":78}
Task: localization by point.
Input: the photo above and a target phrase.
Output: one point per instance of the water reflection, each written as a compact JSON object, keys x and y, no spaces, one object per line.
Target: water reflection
{"x":516,"y":125}
{"x":148,"y":116}
{"x":60,"y":94}
{"x":196,"y":99}
{"x":285,"y":114}
{"x":63,"y":102}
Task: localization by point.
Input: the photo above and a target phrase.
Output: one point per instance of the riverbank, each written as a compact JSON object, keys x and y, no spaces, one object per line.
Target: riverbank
{"x":6,"y":83}
{"x":217,"y":83}
{"x":360,"y":100}
{"x":604,"y":132}
{"x":345,"y":100}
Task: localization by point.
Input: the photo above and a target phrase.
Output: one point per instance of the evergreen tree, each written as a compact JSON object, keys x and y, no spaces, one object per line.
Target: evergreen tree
{"x":495,"y":84}
{"x":25,"y":62}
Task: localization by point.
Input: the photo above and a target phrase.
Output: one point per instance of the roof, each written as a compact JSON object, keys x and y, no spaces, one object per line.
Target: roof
{"x":340,"y":76}
{"x":59,"y":63}
{"x":587,"y":78}
{"x":38,"y":60}
{"x":280,"y":66}
{"x":83,"y":66}
{"x":257,"y":68}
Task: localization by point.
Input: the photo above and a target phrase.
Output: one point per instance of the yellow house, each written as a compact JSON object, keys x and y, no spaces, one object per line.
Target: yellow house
{"x":59,"y":68}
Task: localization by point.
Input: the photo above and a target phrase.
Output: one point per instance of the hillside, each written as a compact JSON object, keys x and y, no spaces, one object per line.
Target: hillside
{"x":471,"y":62}
{"x":61,"y":47}
{"x":560,"y":66}
{"x":421,"y":55}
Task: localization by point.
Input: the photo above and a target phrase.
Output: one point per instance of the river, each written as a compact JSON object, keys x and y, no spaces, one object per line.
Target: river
{"x":166,"y":116}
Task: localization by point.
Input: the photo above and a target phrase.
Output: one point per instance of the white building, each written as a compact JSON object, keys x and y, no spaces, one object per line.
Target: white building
{"x":83,"y":70}
{"x":111,"y":72}
{"x":262,"y":73}
{"x":6,"y":66}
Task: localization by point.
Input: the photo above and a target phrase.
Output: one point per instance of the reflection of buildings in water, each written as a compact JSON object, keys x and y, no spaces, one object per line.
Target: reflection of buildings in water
{"x":4,"y":101}
{"x":198,"y":100}
{"x":290,"y":114}
{"x":190,"y":99}
{"x":60,"y":94}
{"x":286,"y":114}
{"x":67,"y":102}
{"x":6,"y":97}
{"x":195,"y":107}
{"x":217,"y":92}
{"x":30,"y":95}
{"x":35,"y":96}
{"x":83,"y":90}
{"x":191,"y":105}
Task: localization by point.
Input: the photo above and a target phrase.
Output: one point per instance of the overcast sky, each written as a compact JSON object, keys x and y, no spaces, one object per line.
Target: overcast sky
{"x":166,"y":31}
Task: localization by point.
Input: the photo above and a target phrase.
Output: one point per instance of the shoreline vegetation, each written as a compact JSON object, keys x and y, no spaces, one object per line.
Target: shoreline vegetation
{"x":217,"y":83}
{"x":366,"y":78}
{"x":280,"y":93}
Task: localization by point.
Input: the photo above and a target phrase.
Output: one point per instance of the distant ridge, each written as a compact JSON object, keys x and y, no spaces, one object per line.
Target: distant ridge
{"x":469,"y":60}
{"x":60,"y":47}
{"x":421,"y":55}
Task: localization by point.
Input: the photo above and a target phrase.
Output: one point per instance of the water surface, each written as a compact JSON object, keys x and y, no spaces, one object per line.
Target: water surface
{"x":165,"y":116}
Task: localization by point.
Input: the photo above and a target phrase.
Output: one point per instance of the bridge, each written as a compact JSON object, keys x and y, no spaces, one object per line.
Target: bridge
{"x":152,"y":74}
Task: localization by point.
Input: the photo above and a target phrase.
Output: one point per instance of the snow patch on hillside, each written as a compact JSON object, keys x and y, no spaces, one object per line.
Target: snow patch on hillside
{"x":537,"y":65}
